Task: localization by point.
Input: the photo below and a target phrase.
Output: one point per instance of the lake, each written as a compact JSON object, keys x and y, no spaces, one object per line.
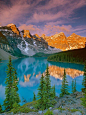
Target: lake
{"x":29,"y":71}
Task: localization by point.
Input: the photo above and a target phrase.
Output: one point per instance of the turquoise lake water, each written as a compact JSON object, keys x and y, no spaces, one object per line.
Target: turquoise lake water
{"x":26,"y":66}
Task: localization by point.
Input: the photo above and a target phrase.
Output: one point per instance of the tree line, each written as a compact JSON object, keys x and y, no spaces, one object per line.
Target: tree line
{"x":46,"y":94}
{"x":63,"y":57}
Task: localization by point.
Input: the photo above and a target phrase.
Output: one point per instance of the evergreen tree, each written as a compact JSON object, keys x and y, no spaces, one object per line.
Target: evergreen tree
{"x":34,"y":97}
{"x":53,"y":93}
{"x":14,"y":95}
{"x":48,"y":88}
{"x":8,"y":82}
{"x":84,"y":78}
{"x":73,"y":86}
{"x":41,"y":93}
{"x":84,"y":87}
{"x":1,"y":109}
{"x":0,"y":60}
{"x":11,"y":87}
{"x":64,"y":87}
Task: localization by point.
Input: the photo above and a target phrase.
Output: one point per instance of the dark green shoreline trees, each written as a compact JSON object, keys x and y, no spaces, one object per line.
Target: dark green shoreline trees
{"x":71,"y":56}
{"x":11,"y":87}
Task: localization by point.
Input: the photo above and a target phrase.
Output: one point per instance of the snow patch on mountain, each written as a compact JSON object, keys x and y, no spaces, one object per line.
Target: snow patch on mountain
{"x":10,"y":24}
{"x":25,"y":50}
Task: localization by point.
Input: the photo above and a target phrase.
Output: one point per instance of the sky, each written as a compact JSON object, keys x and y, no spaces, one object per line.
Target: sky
{"x":47,"y":17}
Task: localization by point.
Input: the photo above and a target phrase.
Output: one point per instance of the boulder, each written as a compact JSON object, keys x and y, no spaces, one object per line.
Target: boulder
{"x":40,"y":112}
{"x":31,"y":107}
{"x":56,"y":111}
{"x":50,"y":108}
{"x":77,"y":113}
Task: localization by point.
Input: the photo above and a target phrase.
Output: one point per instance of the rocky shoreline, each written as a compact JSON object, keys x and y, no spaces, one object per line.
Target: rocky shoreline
{"x":66,"y":105}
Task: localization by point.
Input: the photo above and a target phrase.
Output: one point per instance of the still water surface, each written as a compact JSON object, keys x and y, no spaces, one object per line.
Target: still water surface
{"x":33,"y":67}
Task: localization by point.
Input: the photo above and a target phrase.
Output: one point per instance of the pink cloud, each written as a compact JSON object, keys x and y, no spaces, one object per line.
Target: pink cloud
{"x":68,"y":5}
{"x":54,"y":13}
{"x":19,"y":10}
{"x":10,"y":14}
{"x":32,"y":28}
{"x":47,"y":29}
{"x":51,"y":29}
{"x":41,"y":17}
{"x":56,"y":29}
{"x":56,"y":22}
{"x":52,"y":4}
{"x":64,"y":12}
{"x":79,"y":29}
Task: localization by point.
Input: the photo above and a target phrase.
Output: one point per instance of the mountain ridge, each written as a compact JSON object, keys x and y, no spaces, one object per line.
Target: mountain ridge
{"x":22,"y":43}
{"x":64,"y":43}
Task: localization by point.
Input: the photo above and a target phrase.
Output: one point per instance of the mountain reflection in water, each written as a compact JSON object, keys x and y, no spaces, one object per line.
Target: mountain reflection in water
{"x":58,"y":73}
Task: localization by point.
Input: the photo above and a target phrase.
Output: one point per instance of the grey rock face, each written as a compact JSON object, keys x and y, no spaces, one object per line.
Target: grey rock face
{"x":55,"y":111}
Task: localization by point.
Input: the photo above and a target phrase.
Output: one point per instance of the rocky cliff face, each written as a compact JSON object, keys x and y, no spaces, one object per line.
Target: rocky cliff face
{"x":14,"y":28}
{"x":75,"y":41}
{"x":12,"y":37}
{"x":26,"y":34}
{"x":4,"y":44}
{"x":65,"y":43}
{"x":23,"y":43}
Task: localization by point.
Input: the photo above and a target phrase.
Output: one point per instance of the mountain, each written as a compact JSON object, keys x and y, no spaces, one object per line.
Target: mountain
{"x":64,"y":43}
{"x":22,"y":43}
{"x":14,"y":28}
{"x":75,"y":41}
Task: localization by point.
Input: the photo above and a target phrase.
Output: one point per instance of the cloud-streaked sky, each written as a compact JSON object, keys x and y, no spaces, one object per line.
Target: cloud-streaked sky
{"x":45,"y":16}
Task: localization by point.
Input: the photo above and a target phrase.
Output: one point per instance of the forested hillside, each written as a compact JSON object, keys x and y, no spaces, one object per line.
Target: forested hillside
{"x":73,"y":56}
